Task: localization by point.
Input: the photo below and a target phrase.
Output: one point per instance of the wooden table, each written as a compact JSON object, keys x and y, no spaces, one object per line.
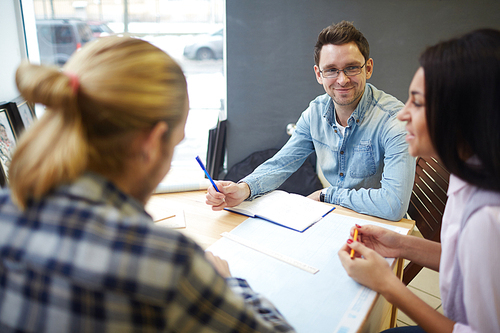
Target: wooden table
{"x":205,"y":227}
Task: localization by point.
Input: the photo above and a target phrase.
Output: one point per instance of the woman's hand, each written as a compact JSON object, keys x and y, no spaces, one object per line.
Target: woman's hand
{"x":385,"y":242}
{"x":368,"y":267}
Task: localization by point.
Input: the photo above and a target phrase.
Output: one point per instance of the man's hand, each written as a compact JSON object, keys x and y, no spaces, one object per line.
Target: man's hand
{"x":230,"y":195}
{"x":315,"y":195}
{"x":220,"y":265}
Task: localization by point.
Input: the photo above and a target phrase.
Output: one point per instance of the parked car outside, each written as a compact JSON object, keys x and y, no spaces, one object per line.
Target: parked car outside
{"x":58,"y":39}
{"x":100,"y":29}
{"x":207,"y":46}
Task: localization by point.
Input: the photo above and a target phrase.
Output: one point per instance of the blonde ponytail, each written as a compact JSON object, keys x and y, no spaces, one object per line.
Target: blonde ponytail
{"x":109,"y":90}
{"x":60,"y":152}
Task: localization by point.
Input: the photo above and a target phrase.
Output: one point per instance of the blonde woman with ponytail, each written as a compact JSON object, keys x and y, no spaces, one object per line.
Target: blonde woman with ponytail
{"x":78,"y":251}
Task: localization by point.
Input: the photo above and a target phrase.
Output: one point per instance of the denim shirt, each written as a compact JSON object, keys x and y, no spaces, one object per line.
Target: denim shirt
{"x":369,"y":167}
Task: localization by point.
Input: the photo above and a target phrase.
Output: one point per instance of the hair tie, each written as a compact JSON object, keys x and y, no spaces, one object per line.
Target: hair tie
{"x":74,"y":82}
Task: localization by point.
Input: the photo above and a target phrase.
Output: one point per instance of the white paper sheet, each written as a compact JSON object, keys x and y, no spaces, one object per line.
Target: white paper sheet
{"x":182,"y":187}
{"x":328,"y":301}
{"x":164,"y":215}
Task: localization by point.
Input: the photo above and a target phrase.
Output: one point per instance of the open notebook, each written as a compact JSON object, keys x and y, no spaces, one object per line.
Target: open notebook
{"x":289,"y":210}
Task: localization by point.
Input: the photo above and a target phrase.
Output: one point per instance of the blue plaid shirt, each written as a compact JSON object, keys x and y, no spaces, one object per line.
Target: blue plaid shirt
{"x":88,"y":258}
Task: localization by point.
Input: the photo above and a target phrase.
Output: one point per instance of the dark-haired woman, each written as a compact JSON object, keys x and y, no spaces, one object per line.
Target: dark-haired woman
{"x":453,"y":113}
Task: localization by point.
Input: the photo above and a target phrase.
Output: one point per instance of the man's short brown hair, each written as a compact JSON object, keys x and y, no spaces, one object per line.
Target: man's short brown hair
{"x":339,"y":34}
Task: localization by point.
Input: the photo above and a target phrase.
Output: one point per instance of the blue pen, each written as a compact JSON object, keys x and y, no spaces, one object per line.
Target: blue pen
{"x":206,"y":173}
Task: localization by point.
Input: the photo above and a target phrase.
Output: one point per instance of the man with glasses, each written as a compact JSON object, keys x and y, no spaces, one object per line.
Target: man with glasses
{"x":353,"y":129}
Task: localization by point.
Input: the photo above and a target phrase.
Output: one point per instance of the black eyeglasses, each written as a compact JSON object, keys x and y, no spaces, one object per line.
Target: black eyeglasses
{"x":348,"y":71}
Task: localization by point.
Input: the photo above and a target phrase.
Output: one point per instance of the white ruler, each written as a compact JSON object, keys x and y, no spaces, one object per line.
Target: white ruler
{"x":270,"y":253}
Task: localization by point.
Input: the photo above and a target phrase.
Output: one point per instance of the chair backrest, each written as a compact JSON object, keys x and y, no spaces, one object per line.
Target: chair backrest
{"x":427,"y":203}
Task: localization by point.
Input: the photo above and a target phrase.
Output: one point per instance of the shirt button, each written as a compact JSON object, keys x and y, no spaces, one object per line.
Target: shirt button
{"x":335,"y":131}
{"x":357,"y":120}
{"x":341,"y":174}
{"x":342,"y":152}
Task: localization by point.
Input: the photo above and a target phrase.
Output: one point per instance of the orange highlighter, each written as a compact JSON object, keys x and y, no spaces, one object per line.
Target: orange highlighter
{"x":354,"y":239}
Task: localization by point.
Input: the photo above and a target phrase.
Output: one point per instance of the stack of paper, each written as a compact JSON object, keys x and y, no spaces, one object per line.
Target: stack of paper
{"x":163,"y":215}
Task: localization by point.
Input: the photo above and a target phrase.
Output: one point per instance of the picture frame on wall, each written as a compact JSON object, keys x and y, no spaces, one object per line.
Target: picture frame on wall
{"x":26,"y":112}
{"x":14,"y":117}
{"x":8,"y":138}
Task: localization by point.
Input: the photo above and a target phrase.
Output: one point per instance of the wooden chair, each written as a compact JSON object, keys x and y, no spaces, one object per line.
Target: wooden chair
{"x":427,"y":203}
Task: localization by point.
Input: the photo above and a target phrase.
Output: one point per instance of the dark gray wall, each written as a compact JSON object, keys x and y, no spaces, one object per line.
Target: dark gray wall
{"x":270,"y":77}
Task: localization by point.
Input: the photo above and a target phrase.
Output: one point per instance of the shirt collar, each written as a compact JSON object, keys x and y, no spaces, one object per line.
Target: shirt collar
{"x":456,"y":184}
{"x":97,"y":189}
{"x":358,"y":113}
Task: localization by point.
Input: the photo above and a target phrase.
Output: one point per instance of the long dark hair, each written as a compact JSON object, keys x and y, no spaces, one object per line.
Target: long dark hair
{"x":462,"y":92}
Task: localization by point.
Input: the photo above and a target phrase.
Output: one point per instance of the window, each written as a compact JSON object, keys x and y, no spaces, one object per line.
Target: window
{"x":189,"y":30}
{"x":56,"y":34}
{"x":85,"y":32}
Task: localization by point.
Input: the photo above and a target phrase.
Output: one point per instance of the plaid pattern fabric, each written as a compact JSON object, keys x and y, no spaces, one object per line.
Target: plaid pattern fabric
{"x":88,"y":258}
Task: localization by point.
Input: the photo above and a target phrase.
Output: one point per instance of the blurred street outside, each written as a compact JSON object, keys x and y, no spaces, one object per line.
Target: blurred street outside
{"x":206,"y":89}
